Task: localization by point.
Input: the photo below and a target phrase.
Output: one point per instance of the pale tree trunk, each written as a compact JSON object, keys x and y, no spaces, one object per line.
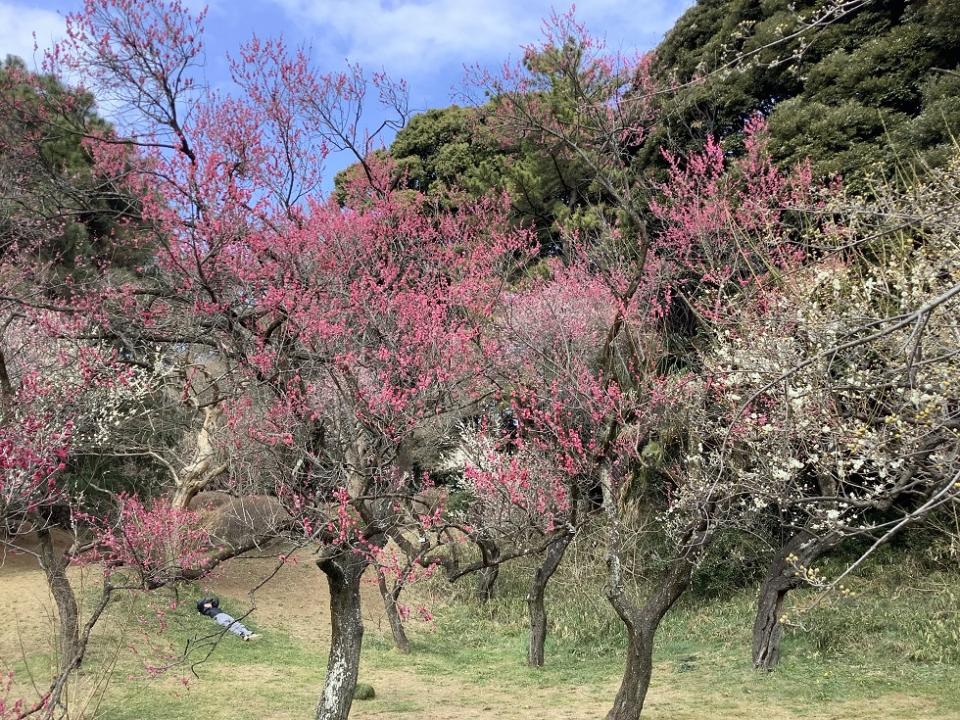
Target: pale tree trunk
{"x":535,"y":598}
{"x":203,"y":468}
{"x":68,"y":629}
{"x":390,"y":605}
{"x":343,"y":572}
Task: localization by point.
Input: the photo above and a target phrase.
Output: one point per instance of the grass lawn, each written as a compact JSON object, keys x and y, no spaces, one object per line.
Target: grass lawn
{"x":891,"y":652}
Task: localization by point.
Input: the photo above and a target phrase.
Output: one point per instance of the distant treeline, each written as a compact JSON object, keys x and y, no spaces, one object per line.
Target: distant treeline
{"x":868,"y":90}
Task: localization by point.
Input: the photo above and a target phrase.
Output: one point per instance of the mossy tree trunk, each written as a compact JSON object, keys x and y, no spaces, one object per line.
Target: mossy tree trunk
{"x":642,"y":624}
{"x":642,"y":621}
{"x":801,"y":551}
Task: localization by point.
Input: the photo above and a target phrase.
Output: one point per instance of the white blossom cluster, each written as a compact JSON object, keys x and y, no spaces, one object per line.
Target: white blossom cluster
{"x":107,"y":415}
{"x":102,"y":401}
{"x":838,"y":398}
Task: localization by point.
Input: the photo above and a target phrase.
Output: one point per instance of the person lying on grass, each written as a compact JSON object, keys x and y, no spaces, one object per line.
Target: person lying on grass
{"x":211,"y":608}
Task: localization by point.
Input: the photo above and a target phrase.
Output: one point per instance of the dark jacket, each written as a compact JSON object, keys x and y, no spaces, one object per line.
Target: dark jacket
{"x":211,"y":611}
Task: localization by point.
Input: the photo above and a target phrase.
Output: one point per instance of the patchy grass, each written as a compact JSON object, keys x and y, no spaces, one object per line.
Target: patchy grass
{"x":891,"y":652}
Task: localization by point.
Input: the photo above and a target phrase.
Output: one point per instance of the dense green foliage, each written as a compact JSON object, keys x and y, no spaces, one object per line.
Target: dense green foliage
{"x":869,"y":89}
{"x":877,"y":85}
{"x":451,"y":154}
{"x":51,"y":197}
{"x":446,"y":148}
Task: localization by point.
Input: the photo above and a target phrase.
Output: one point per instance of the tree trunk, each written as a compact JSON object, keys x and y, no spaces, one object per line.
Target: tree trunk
{"x":641,"y":629}
{"x":642,"y":622}
{"x":390,"y":600}
{"x":636,"y":676}
{"x":767,"y":630}
{"x":203,"y":468}
{"x":803,"y":549}
{"x":486,"y":585}
{"x":535,"y":604}
{"x":55,"y":568}
{"x":343,"y":573}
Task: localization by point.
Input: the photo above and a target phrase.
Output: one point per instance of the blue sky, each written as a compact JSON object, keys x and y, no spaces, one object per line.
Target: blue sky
{"x":428,"y":42}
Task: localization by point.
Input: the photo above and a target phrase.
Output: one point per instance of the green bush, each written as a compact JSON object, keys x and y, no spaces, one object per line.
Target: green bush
{"x":364,"y":692}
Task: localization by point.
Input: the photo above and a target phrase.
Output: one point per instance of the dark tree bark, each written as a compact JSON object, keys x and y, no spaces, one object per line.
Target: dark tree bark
{"x":807,"y":548}
{"x":343,"y":572}
{"x":535,"y":598}
{"x":51,"y":702}
{"x":781,"y":578}
{"x":642,"y":624}
{"x":486,"y":585}
{"x":642,"y":621}
{"x":767,"y":630}
{"x":54,"y":566}
{"x":390,"y":606}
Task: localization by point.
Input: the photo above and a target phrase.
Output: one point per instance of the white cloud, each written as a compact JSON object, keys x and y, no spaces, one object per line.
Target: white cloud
{"x":414,"y":36}
{"x":18,"y":23}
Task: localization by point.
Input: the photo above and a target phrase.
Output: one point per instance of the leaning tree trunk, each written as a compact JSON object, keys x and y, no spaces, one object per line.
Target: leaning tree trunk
{"x":55,"y":568}
{"x":535,"y":604}
{"x":343,"y":572}
{"x":802,"y":549}
{"x":203,"y":468}
{"x":642,"y":624}
{"x":390,"y":606}
{"x":767,"y":630}
{"x":486,"y":585}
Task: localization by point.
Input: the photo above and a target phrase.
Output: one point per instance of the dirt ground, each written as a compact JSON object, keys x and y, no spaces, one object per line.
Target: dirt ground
{"x":304,"y":613}
{"x":26,"y":606}
{"x":295,"y":600}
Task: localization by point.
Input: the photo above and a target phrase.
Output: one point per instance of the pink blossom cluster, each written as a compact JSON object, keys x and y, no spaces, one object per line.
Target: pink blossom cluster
{"x":151,"y":540}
